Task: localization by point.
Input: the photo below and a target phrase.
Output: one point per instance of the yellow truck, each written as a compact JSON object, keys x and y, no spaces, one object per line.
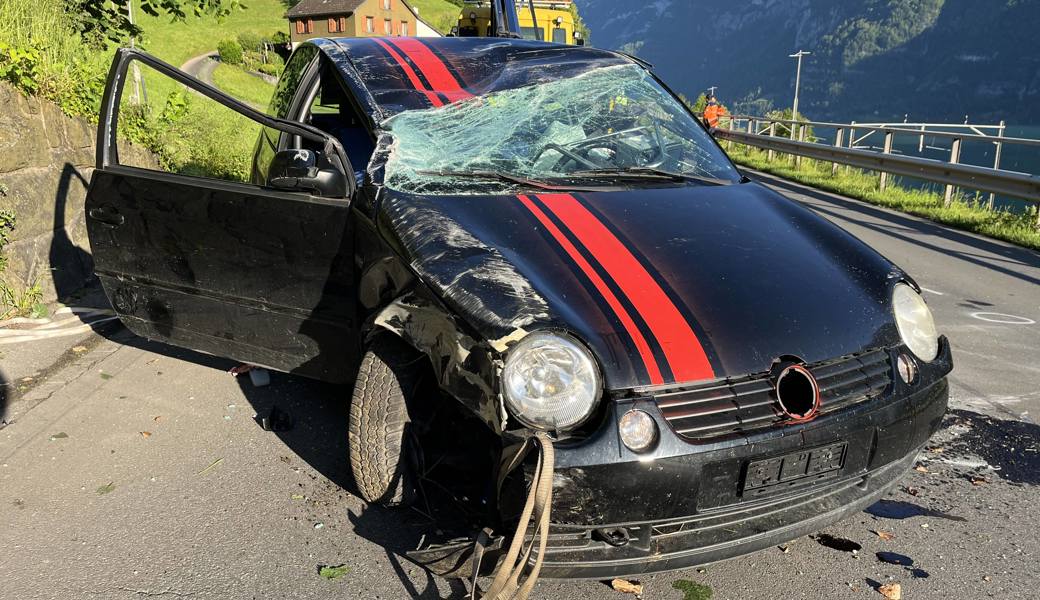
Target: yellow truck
{"x":545,"y":20}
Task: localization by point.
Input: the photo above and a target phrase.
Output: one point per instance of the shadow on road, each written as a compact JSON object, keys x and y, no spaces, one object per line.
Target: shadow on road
{"x":1011,"y":448}
{"x":910,"y":229}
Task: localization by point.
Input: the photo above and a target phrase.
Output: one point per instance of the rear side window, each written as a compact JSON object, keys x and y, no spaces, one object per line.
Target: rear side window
{"x":290,"y":80}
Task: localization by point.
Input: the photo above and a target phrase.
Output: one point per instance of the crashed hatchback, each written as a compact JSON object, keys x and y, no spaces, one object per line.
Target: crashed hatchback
{"x":488,"y":238}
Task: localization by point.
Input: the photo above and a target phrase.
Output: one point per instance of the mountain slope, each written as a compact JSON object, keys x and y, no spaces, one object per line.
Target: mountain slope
{"x":934,"y":59}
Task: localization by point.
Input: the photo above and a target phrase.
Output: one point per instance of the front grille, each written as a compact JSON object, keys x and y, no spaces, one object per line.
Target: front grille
{"x":741,"y":405}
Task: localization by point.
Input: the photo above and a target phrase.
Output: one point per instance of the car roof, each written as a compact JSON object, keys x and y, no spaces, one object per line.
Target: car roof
{"x":406,"y":73}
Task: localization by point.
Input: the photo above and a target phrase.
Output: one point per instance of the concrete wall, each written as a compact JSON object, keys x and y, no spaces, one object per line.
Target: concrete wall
{"x":46,"y":159}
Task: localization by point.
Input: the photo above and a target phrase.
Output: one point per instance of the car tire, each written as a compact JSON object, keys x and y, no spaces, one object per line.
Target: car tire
{"x":379,"y":431}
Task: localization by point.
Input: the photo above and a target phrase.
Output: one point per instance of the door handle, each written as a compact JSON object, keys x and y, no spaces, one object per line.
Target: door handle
{"x":108,"y":216}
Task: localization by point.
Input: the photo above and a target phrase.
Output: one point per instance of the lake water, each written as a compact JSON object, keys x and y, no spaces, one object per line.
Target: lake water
{"x":1024,"y":159}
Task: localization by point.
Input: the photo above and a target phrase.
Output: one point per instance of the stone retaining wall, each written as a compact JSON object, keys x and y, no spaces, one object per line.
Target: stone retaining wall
{"x":46,"y":159}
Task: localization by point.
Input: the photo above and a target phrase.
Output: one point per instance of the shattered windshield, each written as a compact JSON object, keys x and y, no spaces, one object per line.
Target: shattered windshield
{"x":611,"y":126}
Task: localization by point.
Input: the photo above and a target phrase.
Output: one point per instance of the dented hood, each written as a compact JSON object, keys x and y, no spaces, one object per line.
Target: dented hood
{"x":667,"y":285}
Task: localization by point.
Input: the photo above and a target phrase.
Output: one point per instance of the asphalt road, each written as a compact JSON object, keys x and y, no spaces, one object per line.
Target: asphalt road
{"x":134,"y":470}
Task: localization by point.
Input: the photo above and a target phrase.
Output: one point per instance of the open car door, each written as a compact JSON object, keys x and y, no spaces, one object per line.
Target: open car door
{"x":261,"y":273}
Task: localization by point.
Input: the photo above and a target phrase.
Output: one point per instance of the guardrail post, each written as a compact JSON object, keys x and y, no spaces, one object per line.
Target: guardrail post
{"x":852,"y":141}
{"x":772,"y":133}
{"x":838,"y":141}
{"x":996,"y":159}
{"x":955,"y":158}
{"x":883,"y":182}
{"x":801,"y":138}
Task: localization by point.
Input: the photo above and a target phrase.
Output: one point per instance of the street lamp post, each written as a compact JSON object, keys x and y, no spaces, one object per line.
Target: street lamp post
{"x":797,"y":83}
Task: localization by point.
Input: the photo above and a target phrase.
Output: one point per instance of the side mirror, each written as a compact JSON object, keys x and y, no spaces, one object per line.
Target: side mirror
{"x":306,"y":171}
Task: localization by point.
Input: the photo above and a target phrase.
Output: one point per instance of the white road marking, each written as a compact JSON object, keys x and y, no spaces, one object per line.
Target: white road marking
{"x":924,"y":289}
{"x":995,"y":317}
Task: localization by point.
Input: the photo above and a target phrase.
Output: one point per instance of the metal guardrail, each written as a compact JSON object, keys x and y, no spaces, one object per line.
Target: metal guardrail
{"x":952,"y":174}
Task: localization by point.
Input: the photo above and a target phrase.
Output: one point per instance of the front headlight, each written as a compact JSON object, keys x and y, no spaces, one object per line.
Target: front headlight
{"x":914,"y":321}
{"x":550,"y":382}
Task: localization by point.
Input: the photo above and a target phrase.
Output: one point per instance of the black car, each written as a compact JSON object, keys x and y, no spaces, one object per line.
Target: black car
{"x":492,"y":237}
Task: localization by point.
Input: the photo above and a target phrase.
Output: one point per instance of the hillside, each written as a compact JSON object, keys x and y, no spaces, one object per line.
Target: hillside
{"x":442,"y":15}
{"x":935,"y":59}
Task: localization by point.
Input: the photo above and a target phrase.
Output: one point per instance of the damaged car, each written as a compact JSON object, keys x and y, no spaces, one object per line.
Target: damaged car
{"x":484,"y":239}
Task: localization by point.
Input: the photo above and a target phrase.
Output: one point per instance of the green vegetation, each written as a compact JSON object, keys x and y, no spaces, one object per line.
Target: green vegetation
{"x":968,"y":213}
{"x":692,"y":590}
{"x":230,"y":52}
{"x":333,"y":572}
{"x":442,"y":15}
{"x":244,"y":86}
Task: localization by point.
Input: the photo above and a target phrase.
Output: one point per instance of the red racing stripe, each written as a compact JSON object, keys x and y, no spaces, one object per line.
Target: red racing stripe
{"x":626,"y":320}
{"x":680,"y":345}
{"x":432,"y":67}
{"x":410,"y":73}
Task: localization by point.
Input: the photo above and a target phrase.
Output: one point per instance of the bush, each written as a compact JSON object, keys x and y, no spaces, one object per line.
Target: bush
{"x":279,"y":38}
{"x":250,"y":41}
{"x":20,"y":66}
{"x":230,"y":51}
{"x":270,"y":69}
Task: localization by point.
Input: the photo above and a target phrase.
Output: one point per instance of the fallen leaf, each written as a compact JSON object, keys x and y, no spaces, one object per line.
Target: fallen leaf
{"x":921,"y":469}
{"x":105,"y":375}
{"x":157,"y":419}
{"x":937,"y":450}
{"x":297,"y":496}
{"x":108,"y":487}
{"x":892,"y":591}
{"x":211,"y":466}
{"x":627,"y":587}
{"x":987,"y":578}
{"x":59,"y":436}
{"x":333,"y":572}
{"x":146,"y":434}
{"x":78,"y":349}
{"x":884,"y":535}
{"x":979,"y":480}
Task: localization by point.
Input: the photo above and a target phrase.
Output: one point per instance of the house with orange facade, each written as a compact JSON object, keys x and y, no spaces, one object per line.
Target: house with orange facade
{"x":355,"y":18}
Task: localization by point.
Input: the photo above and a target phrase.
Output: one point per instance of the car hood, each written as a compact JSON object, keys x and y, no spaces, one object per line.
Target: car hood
{"x":667,"y":285}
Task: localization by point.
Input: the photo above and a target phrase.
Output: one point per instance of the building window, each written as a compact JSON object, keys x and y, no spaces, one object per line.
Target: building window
{"x":370,"y":25}
{"x":310,"y":25}
{"x":387,"y":4}
{"x":342,"y":23}
{"x":386,"y":27}
{"x":333,"y":26}
{"x":404,"y":27}
{"x":299,"y":27}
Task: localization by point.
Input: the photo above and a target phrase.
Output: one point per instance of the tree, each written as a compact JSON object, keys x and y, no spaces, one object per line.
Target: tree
{"x":103,"y":21}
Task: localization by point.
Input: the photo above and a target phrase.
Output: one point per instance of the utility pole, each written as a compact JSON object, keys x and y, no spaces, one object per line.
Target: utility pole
{"x":797,"y":84}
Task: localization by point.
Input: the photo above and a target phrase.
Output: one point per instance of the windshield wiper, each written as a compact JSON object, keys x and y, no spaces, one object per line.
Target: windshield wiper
{"x":497,"y":175}
{"x":647,"y":173}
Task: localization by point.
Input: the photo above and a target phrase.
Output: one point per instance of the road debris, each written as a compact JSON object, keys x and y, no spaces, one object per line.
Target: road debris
{"x":104,"y":375}
{"x":692,"y":590}
{"x":79,"y":349}
{"x":211,"y":466}
{"x":921,"y":469}
{"x":61,"y":435}
{"x":146,"y":434}
{"x":627,"y":587}
{"x":273,"y":419}
{"x":884,"y":535}
{"x":333,"y":572}
{"x":892,"y":591}
{"x":837,"y":543}
{"x":894,"y":558}
{"x":108,"y":487}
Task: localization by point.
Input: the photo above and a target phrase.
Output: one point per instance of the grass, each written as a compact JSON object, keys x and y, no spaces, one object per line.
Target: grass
{"x":968,"y":213}
{"x":243,"y":86}
{"x":440,"y":14}
{"x":177,"y":41}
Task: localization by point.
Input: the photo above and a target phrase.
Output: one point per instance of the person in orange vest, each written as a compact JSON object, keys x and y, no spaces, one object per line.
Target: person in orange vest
{"x":712,"y":113}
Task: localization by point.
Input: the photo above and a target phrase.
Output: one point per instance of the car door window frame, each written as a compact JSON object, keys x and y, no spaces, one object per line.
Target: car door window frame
{"x":107,"y":137}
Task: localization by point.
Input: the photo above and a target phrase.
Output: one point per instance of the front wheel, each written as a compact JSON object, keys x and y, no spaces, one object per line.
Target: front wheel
{"x":379,"y":424}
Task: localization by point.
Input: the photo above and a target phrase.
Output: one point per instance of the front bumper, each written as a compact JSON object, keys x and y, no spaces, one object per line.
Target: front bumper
{"x":686,"y":504}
